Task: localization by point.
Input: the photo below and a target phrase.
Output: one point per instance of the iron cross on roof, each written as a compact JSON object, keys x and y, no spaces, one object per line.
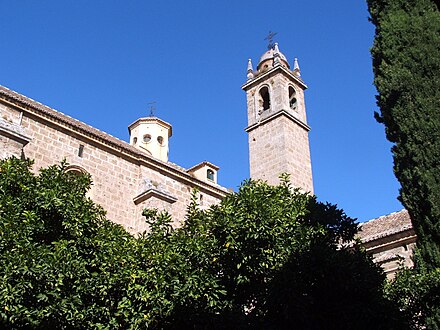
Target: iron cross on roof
{"x":269,"y":38}
{"x":152,"y":107}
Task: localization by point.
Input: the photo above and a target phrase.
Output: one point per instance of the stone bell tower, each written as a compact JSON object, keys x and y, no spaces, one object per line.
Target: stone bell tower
{"x":277,"y":124}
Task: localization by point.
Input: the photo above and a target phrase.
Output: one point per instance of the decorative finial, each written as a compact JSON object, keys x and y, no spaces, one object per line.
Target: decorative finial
{"x":269,"y":38}
{"x":296,"y":68}
{"x":250,"y":70}
{"x":152,"y":107}
{"x":276,"y":55}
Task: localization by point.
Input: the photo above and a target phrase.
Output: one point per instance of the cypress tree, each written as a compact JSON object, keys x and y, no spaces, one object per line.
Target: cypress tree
{"x":406,"y":65}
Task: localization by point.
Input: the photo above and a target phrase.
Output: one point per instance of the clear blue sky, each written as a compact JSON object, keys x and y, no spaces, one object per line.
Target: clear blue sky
{"x":103,"y":61}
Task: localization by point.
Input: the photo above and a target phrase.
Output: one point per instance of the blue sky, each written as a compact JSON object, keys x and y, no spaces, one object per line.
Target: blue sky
{"x":103,"y":61}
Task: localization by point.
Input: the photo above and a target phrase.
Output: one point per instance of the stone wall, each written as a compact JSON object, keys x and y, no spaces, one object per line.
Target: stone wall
{"x":118,"y":177}
{"x":280,"y":146}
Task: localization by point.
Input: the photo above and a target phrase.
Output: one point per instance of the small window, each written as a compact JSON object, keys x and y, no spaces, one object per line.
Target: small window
{"x":210,"y":174}
{"x":293,"y":102}
{"x":80,"y":150}
{"x":135,"y":140}
{"x":160,"y":139}
{"x":264,"y":99}
{"x":147,"y":138}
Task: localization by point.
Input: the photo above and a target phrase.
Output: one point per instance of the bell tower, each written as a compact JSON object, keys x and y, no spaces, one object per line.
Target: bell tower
{"x":277,"y":124}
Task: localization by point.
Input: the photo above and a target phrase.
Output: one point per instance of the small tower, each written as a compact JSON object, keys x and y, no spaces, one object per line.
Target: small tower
{"x":151,"y":135}
{"x":277,"y":124}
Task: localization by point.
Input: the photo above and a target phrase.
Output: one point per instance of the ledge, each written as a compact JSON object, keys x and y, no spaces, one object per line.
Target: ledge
{"x":154,"y":193}
{"x":14,"y":132}
{"x":275,"y":115}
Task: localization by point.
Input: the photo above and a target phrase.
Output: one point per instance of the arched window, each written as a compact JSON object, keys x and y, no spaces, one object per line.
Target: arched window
{"x":293,"y":102}
{"x":264,"y":99}
{"x":210,"y":174}
{"x":75,"y":169}
{"x":147,"y":138}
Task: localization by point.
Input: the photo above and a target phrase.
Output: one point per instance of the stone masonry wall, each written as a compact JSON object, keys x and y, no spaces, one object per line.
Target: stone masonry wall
{"x":280,"y":146}
{"x":117,"y":180}
{"x":9,"y":147}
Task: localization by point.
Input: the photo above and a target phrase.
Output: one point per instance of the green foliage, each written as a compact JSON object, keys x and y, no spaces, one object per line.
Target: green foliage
{"x":406,"y":63}
{"x":418,"y":296}
{"x":265,"y":257}
{"x":61,"y":262}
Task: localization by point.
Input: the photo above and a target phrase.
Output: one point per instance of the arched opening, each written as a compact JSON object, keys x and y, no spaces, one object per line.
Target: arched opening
{"x":75,"y":169}
{"x":265,"y":99}
{"x":210,"y":174}
{"x":293,"y":102}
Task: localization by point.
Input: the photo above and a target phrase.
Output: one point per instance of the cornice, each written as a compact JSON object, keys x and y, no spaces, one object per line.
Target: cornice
{"x":275,"y":115}
{"x":265,"y":75}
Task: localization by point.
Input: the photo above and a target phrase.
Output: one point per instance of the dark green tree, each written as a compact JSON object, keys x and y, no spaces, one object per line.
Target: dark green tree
{"x":406,"y":65}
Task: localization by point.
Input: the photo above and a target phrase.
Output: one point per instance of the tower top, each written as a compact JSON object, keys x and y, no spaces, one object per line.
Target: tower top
{"x":273,"y":59}
{"x":267,"y":60}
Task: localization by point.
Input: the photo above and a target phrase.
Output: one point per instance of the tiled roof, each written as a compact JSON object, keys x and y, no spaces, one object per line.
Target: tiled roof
{"x":93,"y":132}
{"x":383,"y":226}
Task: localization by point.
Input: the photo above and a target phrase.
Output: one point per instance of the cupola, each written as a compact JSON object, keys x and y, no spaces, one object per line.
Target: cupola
{"x":151,"y":135}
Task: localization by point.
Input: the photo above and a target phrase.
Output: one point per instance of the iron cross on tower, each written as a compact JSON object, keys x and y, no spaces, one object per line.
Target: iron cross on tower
{"x":152,"y":107}
{"x":269,"y":38}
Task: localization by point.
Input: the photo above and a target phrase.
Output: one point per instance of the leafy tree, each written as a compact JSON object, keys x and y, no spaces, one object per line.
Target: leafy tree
{"x":269,"y":257}
{"x":418,"y":296}
{"x":265,"y":257}
{"x":406,"y":64}
{"x":62,"y":264}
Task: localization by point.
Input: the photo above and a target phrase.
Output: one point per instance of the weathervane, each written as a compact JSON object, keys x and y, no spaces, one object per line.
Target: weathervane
{"x":152,"y":107}
{"x":269,"y":38}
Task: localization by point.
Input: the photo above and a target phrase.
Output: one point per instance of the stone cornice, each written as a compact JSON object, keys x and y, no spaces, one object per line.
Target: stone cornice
{"x":275,"y":115}
{"x":266,"y":74}
{"x":154,"y":193}
{"x":14,"y":132}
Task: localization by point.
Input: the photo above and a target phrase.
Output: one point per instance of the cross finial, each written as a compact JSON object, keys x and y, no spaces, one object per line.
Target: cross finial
{"x":152,"y":107}
{"x":269,"y":38}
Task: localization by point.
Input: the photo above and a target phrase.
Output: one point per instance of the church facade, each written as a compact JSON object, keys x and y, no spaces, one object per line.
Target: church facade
{"x":130,"y":176}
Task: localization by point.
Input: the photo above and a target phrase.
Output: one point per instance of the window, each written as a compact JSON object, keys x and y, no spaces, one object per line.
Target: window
{"x":135,"y":140}
{"x":75,"y":169}
{"x":264,"y":99}
{"x":210,"y":174}
{"x":293,"y":102}
{"x":160,"y":140}
{"x":147,"y":138}
{"x":81,"y":150}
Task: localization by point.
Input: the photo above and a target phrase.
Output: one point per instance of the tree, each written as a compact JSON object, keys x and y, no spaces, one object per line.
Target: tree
{"x":62,"y":264}
{"x":269,"y":257}
{"x":265,"y":257}
{"x":406,"y":65}
{"x":418,"y":297}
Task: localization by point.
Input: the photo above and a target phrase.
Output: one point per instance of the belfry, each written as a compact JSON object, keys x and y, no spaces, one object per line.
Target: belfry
{"x":277,"y":124}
